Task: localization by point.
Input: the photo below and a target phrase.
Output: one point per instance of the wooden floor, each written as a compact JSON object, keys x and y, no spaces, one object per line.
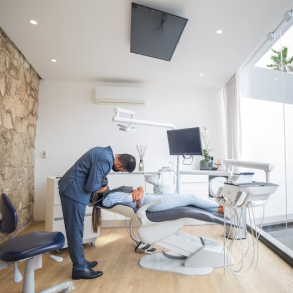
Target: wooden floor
{"x":115,"y":253}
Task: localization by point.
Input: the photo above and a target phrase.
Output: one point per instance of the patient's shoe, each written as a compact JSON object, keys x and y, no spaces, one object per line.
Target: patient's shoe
{"x":144,"y":248}
{"x":87,"y":273}
{"x":91,"y":264}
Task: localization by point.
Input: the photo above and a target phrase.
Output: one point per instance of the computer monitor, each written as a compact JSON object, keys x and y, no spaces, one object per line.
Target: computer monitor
{"x":185,"y":141}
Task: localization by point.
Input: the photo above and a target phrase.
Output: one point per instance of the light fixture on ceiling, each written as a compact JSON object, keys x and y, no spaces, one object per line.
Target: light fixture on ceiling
{"x":33,"y":22}
{"x":219,"y":32}
{"x":270,"y":36}
{"x":201,"y":74}
{"x":276,"y":78}
{"x":288,"y":15}
{"x":54,"y":60}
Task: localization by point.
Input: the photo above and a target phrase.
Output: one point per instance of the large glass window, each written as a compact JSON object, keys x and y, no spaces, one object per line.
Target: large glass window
{"x":266,"y":93}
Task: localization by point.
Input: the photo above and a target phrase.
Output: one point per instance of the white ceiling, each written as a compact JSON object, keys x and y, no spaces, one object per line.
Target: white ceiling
{"x":91,"y":39}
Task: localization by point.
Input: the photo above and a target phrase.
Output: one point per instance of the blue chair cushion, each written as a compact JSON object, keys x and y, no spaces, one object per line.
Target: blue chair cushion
{"x":191,"y":212}
{"x":30,"y":245}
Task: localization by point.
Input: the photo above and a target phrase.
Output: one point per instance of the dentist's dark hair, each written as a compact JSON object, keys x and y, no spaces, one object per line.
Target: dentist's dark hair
{"x":128,"y":162}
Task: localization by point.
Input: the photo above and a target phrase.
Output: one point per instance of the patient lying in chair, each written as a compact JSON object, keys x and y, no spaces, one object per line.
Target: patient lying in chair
{"x":138,"y":198}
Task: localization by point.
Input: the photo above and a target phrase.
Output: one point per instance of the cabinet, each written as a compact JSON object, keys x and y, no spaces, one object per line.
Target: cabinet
{"x":195,"y":184}
{"x":54,"y":214}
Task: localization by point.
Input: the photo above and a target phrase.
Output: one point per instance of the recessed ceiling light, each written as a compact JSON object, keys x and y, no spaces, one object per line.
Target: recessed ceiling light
{"x":201,"y":74}
{"x":276,"y":78}
{"x":33,"y":22}
{"x":54,"y":60}
{"x":219,"y":31}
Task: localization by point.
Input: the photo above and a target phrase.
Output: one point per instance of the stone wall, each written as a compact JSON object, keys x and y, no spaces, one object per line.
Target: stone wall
{"x":19,"y":88}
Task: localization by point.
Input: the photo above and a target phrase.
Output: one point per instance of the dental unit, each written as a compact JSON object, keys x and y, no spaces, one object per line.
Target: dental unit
{"x":186,"y":254}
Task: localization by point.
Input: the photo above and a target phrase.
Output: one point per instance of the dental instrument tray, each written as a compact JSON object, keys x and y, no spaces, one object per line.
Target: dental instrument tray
{"x":241,"y":178}
{"x":237,"y":195}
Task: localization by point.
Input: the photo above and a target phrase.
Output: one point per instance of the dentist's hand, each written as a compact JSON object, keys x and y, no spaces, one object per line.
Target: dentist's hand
{"x":103,"y":189}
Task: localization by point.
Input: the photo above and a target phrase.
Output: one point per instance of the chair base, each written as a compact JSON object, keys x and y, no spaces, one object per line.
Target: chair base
{"x":158,"y":262}
{"x":65,"y":287}
{"x":29,"y":281}
{"x":188,"y":255}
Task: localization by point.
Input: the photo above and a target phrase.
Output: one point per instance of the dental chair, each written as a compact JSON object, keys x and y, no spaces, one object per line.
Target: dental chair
{"x":26,"y":248}
{"x":187,"y":254}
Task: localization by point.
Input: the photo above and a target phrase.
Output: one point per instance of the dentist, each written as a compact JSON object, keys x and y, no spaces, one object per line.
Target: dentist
{"x":75,"y":189}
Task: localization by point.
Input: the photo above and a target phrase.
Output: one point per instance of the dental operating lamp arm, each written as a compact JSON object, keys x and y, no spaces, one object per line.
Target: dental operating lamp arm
{"x":131,"y":120}
{"x":267,"y":167}
{"x":118,"y":118}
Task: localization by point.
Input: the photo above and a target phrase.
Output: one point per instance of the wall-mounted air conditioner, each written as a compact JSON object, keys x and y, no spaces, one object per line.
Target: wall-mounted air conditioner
{"x":115,"y":95}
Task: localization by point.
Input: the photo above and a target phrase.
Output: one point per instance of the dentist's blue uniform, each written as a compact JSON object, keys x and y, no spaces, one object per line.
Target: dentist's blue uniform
{"x":75,"y":189}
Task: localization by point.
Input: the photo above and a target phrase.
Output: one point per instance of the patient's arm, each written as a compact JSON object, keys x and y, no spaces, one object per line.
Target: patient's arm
{"x":137,"y":194}
{"x":141,"y":192}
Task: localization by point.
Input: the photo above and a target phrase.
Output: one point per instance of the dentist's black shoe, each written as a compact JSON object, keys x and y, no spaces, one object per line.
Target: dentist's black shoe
{"x":91,"y":264}
{"x":87,"y":273}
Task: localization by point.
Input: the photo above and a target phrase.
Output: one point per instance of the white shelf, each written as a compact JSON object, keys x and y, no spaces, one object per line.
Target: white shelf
{"x":206,"y":172}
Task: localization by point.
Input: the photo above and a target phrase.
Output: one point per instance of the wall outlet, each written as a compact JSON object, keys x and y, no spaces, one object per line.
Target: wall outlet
{"x":47,"y":154}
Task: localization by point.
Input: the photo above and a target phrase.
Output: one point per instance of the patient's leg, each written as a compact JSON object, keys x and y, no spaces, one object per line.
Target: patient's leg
{"x":170,"y":201}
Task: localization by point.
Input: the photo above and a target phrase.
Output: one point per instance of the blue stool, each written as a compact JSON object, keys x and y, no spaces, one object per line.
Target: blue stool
{"x":26,"y":247}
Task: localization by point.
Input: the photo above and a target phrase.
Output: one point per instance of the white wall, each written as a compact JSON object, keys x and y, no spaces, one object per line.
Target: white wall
{"x":70,"y":123}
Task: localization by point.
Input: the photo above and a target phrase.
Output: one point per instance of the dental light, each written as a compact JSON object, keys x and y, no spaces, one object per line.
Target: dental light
{"x":126,"y":128}
{"x":131,"y":120}
{"x":117,"y":118}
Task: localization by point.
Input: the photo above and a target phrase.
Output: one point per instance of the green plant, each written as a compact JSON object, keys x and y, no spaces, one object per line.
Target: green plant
{"x":207,"y":157}
{"x":280,"y":60}
{"x":207,"y":147}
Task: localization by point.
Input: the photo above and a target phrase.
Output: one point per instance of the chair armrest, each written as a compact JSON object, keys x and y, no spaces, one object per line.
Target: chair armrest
{"x":142,"y":210}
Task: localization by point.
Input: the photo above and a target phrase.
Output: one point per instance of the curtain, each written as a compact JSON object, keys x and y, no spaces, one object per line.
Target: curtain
{"x":232,"y":117}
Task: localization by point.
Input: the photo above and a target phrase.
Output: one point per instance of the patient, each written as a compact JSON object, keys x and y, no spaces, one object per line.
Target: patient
{"x":137,"y":198}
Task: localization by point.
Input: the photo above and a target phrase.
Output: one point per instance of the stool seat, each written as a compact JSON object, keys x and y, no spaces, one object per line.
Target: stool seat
{"x":30,"y":245}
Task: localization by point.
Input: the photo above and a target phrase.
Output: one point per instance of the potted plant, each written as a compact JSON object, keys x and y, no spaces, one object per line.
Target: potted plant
{"x":207,"y":162}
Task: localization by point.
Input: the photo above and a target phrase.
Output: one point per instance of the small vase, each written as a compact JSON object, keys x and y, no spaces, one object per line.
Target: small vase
{"x":206,"y":164}
{"x":141,"y":166}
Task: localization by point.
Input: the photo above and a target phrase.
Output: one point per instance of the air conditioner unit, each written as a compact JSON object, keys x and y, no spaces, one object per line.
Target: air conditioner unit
{"x":114,"y":95}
